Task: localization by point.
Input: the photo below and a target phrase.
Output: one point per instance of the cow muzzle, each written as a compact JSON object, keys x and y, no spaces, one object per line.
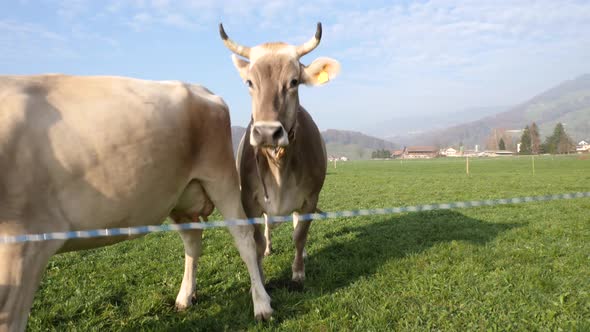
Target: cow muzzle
{"x":268,"y":134}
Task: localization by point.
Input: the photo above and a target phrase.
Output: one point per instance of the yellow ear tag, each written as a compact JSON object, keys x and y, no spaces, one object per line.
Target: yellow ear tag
{"x":323,"y":77}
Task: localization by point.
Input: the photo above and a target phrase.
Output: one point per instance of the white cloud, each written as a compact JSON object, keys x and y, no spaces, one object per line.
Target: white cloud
{"x":470,"y":49}
{"x":439,"y":34}
{"x":23,"y":40}
{"x":179,"y":21}
{"x":72,"y":9}
{"x":11,"y":28}
{"x":140,"y":21}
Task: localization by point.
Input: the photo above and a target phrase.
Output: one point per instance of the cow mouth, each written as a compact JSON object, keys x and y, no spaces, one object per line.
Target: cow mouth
{"x":276,"y":152}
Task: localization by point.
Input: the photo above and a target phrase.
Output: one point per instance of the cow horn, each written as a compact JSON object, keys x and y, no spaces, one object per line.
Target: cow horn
{"x":232,"y":45}
{"x":311,"y":44}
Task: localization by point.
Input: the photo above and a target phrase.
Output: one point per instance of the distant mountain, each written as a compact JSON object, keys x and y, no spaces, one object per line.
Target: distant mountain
{"x":352,"y":144}
{"x":568,"y":102}
{"x":419,"y":123}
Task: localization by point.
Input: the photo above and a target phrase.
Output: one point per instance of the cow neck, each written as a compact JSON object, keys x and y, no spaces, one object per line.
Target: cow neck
{"x":257,"y":158}
{"x":279,"y":160}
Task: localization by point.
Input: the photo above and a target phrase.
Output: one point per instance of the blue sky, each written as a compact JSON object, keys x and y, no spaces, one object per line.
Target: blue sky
{"x":398,"y":58}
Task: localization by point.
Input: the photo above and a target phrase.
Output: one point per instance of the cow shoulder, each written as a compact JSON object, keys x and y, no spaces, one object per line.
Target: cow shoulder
{"x":209,"y":112}
{"x":311,"y":152}
{"x":211,"y":132}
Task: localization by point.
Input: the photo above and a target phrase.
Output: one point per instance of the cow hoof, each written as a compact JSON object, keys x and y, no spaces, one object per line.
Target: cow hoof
{"x":181,"y":306}
{"x":298,"y":277}
{"x":267,"y":252}
{"x":262,"y":312}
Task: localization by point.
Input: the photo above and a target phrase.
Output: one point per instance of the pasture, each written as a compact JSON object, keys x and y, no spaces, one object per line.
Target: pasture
{"x":515,"y":267}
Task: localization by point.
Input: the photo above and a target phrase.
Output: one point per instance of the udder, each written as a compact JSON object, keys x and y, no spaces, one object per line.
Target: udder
{"x":192,"y":204}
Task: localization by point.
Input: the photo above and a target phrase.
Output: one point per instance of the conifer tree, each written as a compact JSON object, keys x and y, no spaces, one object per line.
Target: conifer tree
{"x":559,"y":142}
{"x":525,"y":141}
{"x":501,"y":144}
{"x":535,"y":139}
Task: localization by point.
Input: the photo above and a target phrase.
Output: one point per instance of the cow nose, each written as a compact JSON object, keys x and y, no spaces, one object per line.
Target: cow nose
{"x":269,"y":134}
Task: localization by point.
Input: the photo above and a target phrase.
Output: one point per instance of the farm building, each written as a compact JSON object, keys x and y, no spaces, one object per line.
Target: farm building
{"x":395,"y":154}
{"x":420,"y":152}
{"x":497,"y":153}
{"x":449,"y":152}
{"x":471,"y":153}
{"x":583,"y":146}
{"x":337,"y":158}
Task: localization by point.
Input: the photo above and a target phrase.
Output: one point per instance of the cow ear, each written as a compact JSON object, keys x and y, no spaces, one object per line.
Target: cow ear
{"x":320,"y":71}
{"x":241,"y":65}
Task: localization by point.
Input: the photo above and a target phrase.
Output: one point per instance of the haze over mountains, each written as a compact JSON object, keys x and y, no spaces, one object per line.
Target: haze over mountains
{"x":568,"y":103}
{"x":414,"y":125}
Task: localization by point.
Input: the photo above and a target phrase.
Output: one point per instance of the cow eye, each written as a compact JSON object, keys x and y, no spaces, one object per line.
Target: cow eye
{"x":249,"y":83}
{"x":294,"y":83}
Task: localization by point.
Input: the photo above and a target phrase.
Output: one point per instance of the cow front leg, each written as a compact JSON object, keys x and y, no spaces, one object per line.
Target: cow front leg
{"x":268,"y":248}
{"x":295,"y":222}
{"x":22,"y":269}
{"x":253,"y":210}
{"x":192,"y":240}
{"x":260,"y":248}
{"x":299,"y":238}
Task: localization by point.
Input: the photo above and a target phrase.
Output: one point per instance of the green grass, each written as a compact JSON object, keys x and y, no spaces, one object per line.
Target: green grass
{"x":517,"y":267}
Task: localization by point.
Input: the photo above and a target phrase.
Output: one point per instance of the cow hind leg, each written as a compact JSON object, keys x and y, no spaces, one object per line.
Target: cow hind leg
{"x":244,"y":237}
{"x":23,"y":266}
{"x":226,"y":197}
{"x":192,"y":240}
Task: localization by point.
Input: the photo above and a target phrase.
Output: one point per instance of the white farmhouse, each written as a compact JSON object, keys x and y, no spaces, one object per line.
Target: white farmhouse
{"x":449,"y":152}
{"x":583,"y":146}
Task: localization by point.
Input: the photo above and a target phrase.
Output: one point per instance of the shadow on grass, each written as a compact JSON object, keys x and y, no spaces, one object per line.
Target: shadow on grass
{"x":355,"y":251}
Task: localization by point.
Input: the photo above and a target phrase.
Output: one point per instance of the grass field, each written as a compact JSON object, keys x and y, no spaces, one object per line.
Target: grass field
{"x":519,"y":267}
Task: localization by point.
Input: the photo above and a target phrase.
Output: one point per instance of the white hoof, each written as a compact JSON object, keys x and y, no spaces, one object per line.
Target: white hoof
{"x":182,"y":306}
{"x":183,"y":302}
{"x":262,"y":310}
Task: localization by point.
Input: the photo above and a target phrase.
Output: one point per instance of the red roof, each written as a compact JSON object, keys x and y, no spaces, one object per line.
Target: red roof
{"x":422,"y":149}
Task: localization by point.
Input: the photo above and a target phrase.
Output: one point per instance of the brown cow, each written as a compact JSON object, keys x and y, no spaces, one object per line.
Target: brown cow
{"x":80,"y":153}
{"x":282,"y":158}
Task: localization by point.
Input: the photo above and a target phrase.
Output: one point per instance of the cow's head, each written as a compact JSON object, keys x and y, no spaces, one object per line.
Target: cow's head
{"x":273,"y":75}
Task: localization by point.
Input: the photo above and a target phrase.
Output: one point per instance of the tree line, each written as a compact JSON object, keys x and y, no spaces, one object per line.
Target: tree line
{"x":379,"y":154}
{"x":558,"y":143}
{"x":530,"y":142}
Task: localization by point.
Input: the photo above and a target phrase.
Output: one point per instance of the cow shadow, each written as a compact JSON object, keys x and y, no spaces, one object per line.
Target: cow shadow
{"x":356,"y":251}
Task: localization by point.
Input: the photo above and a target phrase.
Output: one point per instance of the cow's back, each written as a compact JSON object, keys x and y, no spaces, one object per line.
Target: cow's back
{"x":96,"y":152}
